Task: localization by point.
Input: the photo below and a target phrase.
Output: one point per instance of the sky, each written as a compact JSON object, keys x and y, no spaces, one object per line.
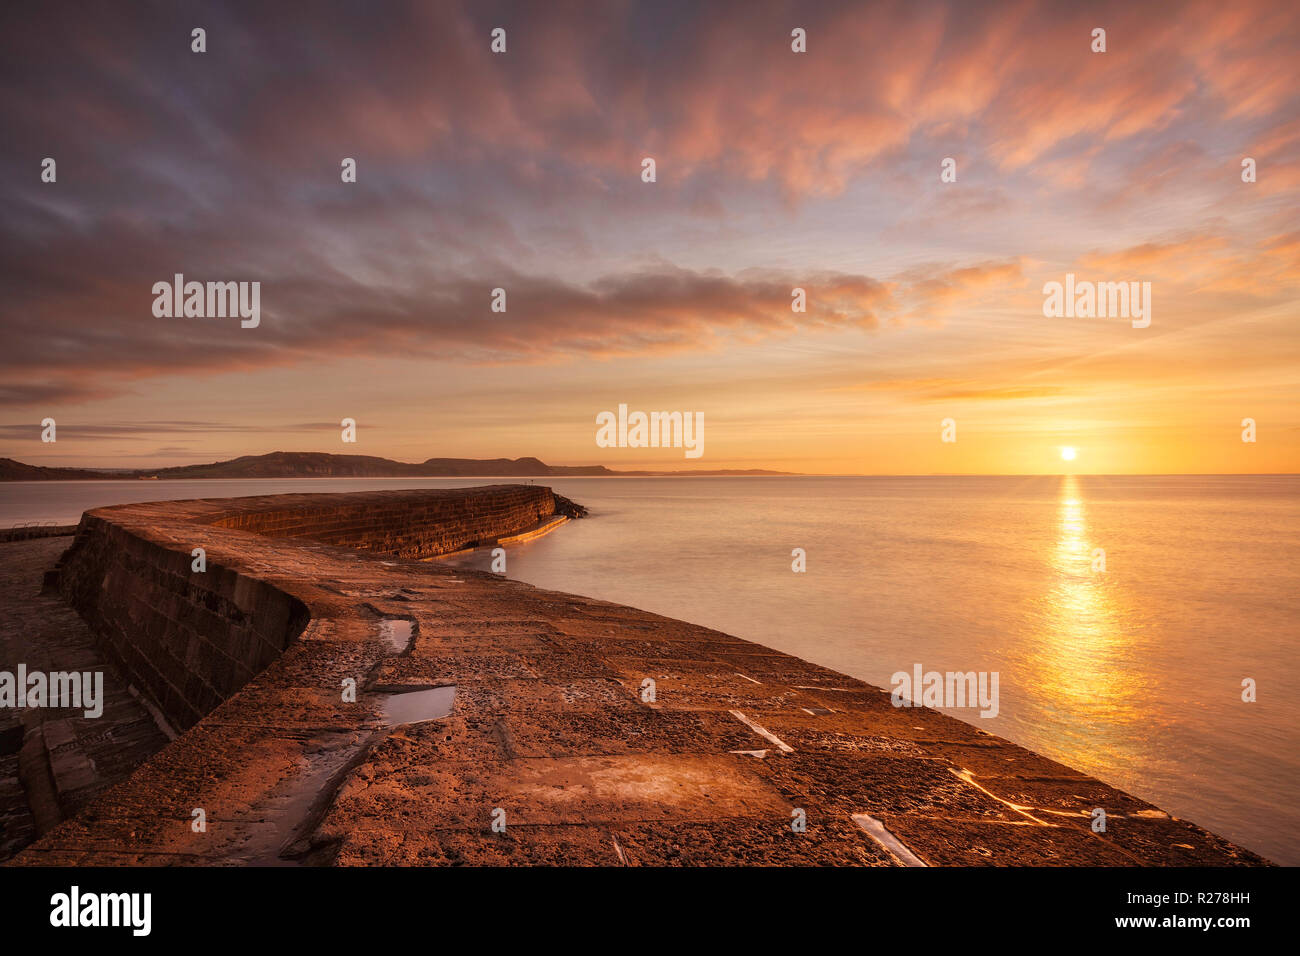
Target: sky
{"x":774,"y":170}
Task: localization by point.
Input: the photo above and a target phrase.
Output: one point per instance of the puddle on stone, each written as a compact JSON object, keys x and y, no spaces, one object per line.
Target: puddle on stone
{"x":396,"y":633}
{"x":416,"y":706}
{"x":293,"y":808}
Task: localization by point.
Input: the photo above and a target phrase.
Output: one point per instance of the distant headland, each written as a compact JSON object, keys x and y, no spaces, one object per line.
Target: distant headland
{"x":311,"y":464}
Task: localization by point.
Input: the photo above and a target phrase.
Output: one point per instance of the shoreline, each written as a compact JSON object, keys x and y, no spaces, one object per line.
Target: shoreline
{"x":549,"y":720}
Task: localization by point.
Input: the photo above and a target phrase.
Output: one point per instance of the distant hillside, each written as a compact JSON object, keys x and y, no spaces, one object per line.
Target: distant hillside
{"x":306,"y":464}
{"x":310,"y":464}
{"x":11,"y":470}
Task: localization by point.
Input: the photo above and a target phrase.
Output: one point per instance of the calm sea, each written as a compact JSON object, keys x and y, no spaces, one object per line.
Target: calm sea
{"x":1133,"y":674}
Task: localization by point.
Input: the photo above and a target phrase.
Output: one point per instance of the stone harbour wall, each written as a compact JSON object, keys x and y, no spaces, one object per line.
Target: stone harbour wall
{"x":191,"y":639}
{"x":396,"y":523}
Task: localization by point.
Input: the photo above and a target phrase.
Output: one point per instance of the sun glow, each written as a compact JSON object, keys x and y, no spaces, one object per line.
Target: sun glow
{"x":1067,"y":454}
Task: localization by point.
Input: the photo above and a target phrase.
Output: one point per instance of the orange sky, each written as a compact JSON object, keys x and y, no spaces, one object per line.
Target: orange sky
{"x":522,"y":171}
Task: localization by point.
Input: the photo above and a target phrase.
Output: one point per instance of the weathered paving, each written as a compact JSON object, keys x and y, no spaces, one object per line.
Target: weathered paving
{"x":547,"y":732}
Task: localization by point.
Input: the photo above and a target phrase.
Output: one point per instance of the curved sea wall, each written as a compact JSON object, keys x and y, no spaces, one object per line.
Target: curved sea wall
{"x":347,"y":705}
{"x":404,"y":524}
{"x":190,"y":639}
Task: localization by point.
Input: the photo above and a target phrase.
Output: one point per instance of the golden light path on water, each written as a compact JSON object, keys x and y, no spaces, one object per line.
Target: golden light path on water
{"x":1081,"y":664}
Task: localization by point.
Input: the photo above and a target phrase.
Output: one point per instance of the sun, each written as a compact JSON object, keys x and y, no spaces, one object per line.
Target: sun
{"x":1067,"y":453}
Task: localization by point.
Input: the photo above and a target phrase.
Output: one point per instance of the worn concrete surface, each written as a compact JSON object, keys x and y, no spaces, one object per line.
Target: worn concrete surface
{"x":549,"y":734}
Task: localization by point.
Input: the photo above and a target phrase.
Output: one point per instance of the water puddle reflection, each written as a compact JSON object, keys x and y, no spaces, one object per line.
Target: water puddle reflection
{"x":396,"y":633}
{"x":416,"y":706}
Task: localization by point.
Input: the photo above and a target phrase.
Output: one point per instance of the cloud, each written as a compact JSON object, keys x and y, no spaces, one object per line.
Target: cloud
{"x":588,"y":90}
{"x":661,"y":309}
{"x":1169,"y":257}
{"x":521,"y":171}
{"x":446,"y":317}
{"x":91,"y":432}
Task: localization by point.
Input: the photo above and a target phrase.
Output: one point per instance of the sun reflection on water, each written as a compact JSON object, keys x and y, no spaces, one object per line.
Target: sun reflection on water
{"x":1083,"y":651}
